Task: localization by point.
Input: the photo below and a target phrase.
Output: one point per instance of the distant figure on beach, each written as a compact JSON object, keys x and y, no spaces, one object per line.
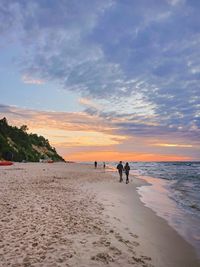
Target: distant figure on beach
{"x":8,"y":156}
{"x":127,"y":169}
{"x":120,"y":170}
{"x":104,"y":165}
{"x":95,"y":164}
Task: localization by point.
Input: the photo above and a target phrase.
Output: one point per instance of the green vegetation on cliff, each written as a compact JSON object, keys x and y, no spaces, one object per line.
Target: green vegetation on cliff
{"x":17,"y":145}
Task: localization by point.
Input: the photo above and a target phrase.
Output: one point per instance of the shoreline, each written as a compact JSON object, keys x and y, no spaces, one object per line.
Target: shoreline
{"x":156,"y":237}
{"x":73,"y":215}
{"x":156,"y":194}
{"x":159,"y":198}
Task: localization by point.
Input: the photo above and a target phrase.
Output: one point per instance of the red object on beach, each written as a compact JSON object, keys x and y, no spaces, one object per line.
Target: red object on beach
{"x":50,"y":161}
{"x":6,"y":163}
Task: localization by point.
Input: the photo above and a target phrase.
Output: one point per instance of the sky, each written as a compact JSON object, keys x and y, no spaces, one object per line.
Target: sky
{"x":104,"y":80}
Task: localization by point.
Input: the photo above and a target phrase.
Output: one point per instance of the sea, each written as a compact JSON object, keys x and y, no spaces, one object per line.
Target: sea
{"x":173,"y":193}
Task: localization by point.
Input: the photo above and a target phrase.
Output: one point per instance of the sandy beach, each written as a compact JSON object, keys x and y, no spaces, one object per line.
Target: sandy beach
{"x":74,"y":215}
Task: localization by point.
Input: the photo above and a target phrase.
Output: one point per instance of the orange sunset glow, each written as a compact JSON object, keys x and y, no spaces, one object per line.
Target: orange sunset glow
{"x":100,"y":133}
{"x":82,"y":137}
{"x":116,"y":156}
{"x":99,"y":85}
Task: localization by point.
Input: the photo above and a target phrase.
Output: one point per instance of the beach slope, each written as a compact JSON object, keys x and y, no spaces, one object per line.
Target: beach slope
{"x":73,"y":215}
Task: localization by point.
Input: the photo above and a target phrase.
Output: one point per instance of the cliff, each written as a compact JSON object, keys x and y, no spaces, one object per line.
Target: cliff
{"x":17,"y":145}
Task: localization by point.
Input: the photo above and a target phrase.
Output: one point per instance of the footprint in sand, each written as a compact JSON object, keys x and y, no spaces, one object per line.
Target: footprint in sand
{"x":135,"y":236}
{"x":117,"y":219}
{"x":138,"y":259}
{"x":84,"y":241}
{"x":102,"y":242}
{"x":142,"y":260}
{"x":146,"y":258}
{"x":115,"y":250}
{"x":126,"y":242}
{"x":135,"y":244}
{"x":103,"y":257}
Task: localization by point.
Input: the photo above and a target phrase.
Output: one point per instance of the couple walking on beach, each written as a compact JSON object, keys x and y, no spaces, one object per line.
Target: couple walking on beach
{"x":122,"y":168}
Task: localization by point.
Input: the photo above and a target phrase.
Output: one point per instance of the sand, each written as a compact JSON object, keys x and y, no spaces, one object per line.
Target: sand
{"x":73,"y":215}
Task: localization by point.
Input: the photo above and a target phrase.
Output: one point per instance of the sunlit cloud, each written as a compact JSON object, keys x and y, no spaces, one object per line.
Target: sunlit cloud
{"x":29,"y":80}
{"x":77,"y":131}
{"x":174,"y":145}
{"x":133,"y":65}
{"x":65,"y":138}
{"x":89,"y":103}
{"x":65,"y":129}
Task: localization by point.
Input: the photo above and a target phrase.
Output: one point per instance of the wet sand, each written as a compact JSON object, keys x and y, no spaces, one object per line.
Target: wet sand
{"x":73,"y":215}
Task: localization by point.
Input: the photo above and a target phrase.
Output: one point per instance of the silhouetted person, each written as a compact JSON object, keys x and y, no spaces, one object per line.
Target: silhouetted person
{"x":127,"y":169}
{"x":120,"y":170}
{"x":104,"y":165}
{"x":95,"y":164}
{"x":8,"y":155}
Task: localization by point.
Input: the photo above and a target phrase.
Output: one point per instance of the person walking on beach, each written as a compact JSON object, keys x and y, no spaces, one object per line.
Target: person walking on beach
{"x":104,"y":165}
{"x":95,"y":164}
{"x":120,"y":170}
{"x":127,"y":169}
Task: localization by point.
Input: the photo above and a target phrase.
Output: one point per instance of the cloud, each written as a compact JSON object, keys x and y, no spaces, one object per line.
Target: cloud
{"x":88,"y":103}
{"x":30,"y":80}
{"x":135,"y":63}
{"x":175,"y":145}
{"x":79,"y":131}
{"x":68,"y":121}
{"x":83,"y":138}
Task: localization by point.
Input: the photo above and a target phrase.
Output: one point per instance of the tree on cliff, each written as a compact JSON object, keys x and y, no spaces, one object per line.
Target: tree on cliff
{"x":17,"y":145}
